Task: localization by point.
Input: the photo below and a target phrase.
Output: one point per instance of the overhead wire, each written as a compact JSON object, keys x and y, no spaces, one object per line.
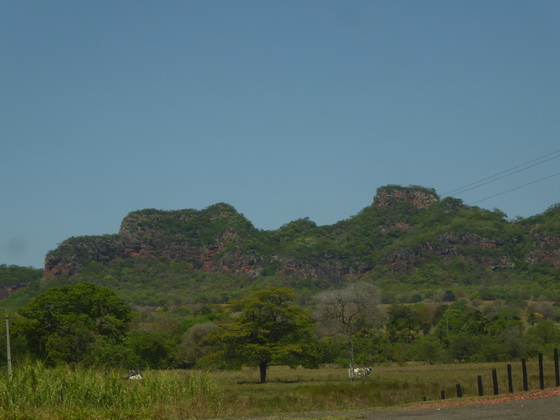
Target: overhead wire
{"x":504,"y":174}
{"x":516,"y":188}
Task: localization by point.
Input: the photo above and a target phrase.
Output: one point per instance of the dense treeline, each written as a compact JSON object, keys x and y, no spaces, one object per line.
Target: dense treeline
{"x":14,"y":275}
{"x":91,"y":325}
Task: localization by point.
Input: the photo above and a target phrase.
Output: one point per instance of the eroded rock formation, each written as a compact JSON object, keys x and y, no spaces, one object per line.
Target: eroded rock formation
{"x":403,"y":229}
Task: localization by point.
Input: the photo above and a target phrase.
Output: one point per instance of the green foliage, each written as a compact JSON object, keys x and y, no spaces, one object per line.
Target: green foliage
{"x":194,"y":345}
{"x":447,"y":252}
{"x":544,"y":333}
{"x":21,"y":284}
{"x":152,"y":281}
{"x":188,"y":226}
{"x":13,"y":275}
{"x":74,"y":393}
{"x":36,"y":391}
{"x":79,"y":250}
{"x":151,"y":350}
{"x":429,"y":350}
{"x":402,"y":325}
{"x":394,"y":187}
{"x":446,"y":244}
{"x":547,"y":223}
{"x":269,"y":329}
{"x":65,"y":323}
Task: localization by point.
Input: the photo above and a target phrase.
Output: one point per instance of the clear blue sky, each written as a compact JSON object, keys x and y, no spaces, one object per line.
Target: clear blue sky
{"x":284,"y":109}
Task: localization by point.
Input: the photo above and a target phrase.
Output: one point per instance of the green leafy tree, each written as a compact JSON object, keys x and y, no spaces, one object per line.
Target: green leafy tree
{"x":463,"y":346}
{"x":533,"y":318}
{"x":544,"y":333}
{"x":448,"y":296}
{"x":451,"y":323}
{"x":425,"y":316}
{"x":402,"y":324}
{"x":475,"y":324}
{"x":151,"y":350}
{"x":428,"y":349}
{"x":194,"y":344}
{"x":65,"y":324}
{"x":270,"y":328}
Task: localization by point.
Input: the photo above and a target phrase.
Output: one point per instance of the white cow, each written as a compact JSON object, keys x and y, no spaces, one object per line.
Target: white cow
{"x":357,"y":372}
{"x":133,"y":375}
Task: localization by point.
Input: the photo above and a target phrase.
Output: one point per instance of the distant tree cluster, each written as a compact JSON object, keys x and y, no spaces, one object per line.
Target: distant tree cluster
{"x":90,"y":325}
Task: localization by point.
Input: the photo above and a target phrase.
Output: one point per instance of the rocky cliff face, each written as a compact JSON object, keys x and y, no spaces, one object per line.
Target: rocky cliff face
{"x":490,"y":253}
{"x":210,"y":239}
{"x":545,"y":249}
{"x":419,"y":197}
{"x":74,"y":253}
{"x":10,"y":289}
{"x":404,"y":228}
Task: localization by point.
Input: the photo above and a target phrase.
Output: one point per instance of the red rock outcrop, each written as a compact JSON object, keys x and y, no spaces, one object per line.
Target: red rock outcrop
{"x":404,"y":228}
{"x":419,"y":197}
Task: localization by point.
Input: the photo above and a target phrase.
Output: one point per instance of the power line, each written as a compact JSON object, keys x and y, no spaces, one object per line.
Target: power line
{"x":504,"y":174}
{"x":516,"y":188}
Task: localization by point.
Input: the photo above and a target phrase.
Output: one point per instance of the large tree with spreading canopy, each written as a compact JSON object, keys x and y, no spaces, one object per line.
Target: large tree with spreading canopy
{"x":66,"y":324}
{"x":267,"y":327}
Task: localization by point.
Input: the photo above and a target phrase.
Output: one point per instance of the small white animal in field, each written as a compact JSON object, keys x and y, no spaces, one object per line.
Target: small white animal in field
{"x":133,"y":375}
{"x":359,"y":372}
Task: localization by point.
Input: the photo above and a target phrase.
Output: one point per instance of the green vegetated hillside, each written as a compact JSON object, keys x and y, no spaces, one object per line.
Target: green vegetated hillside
{"x":456,"y":282}
{"x":19,"y":284}
{"x":409,"y":243}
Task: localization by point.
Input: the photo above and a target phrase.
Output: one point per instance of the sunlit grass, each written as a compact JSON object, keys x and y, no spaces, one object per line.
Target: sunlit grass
{"x":329,"y":389}
{"x":64,"y":392}
{"x":36,"y":392}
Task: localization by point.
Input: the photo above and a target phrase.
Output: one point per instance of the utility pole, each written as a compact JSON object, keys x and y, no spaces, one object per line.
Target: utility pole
{"x":8,"y":347}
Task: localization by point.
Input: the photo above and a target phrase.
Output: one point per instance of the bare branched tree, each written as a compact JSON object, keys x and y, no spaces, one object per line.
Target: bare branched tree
{"x":344,"y":310}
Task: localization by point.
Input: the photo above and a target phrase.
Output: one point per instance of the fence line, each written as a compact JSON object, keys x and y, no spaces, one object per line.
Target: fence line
{"x":510,"y":378}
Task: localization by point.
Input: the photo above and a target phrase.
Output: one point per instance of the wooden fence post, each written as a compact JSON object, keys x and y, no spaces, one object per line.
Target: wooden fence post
{"x":556,"y":371}
{"x":495,"y":381}
{"x":480,"y":389}
{"x":459,"y":390}
{"x":541,"y":371}
{"x":510,"y":379}
{"x":524,"y":367}
{"x":443,"y":394}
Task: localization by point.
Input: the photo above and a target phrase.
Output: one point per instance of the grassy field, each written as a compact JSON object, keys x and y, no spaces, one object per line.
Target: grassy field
{"x":329,"y":389}
{"x":36,"y":392}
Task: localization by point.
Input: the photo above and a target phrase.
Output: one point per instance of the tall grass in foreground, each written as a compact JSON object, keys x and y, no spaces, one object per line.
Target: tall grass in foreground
{"x":35,"y":391}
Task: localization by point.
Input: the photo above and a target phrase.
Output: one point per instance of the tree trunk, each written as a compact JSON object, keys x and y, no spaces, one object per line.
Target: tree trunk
{"x":351,"y":355}
{"x":262,"y":368}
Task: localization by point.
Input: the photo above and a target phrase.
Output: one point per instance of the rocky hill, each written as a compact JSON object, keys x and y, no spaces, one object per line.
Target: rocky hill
{"x":14,"y":279}
{"x":405,"y":231}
